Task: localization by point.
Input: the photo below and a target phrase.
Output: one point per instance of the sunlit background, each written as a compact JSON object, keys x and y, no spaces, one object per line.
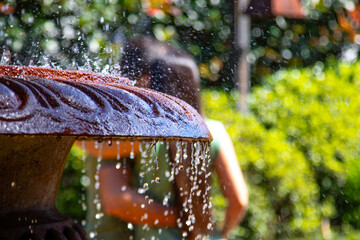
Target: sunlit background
{"x":298,"y":138}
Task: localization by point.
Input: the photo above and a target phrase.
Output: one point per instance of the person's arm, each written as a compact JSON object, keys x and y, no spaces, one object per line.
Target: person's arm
{"x":232,"y":184}
{"x":122,"y":201}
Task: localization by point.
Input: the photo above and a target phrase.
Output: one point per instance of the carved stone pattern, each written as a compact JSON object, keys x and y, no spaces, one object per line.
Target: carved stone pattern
{"x":90,"y":106}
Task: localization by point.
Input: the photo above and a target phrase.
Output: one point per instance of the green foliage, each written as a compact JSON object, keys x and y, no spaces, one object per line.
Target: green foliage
{"x":284,"y":42}
{"x":67,"y":33}
{"x":299,"y":148}
{"x":90,"y":34}
{"x":283,"y":200}
{"x":318,"y":111}
{"x":71,"y":196}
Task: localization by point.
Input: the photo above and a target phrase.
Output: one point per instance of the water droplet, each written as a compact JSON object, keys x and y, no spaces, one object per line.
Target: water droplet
{"x":205,"y":206}
{"x":145,"y":226}
{"x":130,"y":226}
{"x":118,"y":150}
{"x":165,"y":200}
{"x":141,"y":191}
{"x":12,"y":184}
{"x":188,"y":222}
{"x":98,"y":206}
{"x":166,"y":213}
{"x":156,"y":221}
{"x":142,"y":205}
{"x":99,"y":216}
{"x":132,"y":154}
{"x":110,"y":142}
{"x":209,"y":226}
{"x":92,"y":234}
{"x":85,"y":181}
{"x":157,"y":180}
{"x":123,"y":188}
{"x":184,"y":234}
{"x":118,"y":165}
{"x":5,"y":58}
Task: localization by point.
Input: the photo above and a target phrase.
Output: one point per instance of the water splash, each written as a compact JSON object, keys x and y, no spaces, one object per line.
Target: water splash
{"x":190,"y":157}
{"x":5,"y":58}
{"x":132,"y":153}
{"x":85,"y":182}
{"x":118,"y":163}
{"x":97,"y":202}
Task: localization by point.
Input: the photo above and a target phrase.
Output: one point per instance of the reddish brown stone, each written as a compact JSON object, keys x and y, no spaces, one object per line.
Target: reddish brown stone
{"x":38,"y":101}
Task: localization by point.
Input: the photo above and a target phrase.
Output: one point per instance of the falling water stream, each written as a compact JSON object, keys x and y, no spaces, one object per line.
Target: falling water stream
{"x":151,"y":158}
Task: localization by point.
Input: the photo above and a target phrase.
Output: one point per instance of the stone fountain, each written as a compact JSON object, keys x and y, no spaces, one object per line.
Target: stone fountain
{"x":43,"y":111}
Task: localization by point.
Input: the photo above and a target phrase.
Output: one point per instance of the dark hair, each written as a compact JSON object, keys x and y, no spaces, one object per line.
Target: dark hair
{"x":171,"y":70}
{"x":135,"y":61}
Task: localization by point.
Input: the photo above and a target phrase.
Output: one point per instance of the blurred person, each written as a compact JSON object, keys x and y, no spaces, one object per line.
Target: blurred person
{"x":158,"y":66}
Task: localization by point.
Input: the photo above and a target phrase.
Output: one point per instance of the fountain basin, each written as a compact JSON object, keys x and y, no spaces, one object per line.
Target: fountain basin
{"x":43,"y":111}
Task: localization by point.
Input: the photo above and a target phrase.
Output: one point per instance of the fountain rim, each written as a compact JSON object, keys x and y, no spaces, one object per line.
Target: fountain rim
{"x":104,"y":138}
{"x":80,"y":76}
{"x":193,"y":119}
